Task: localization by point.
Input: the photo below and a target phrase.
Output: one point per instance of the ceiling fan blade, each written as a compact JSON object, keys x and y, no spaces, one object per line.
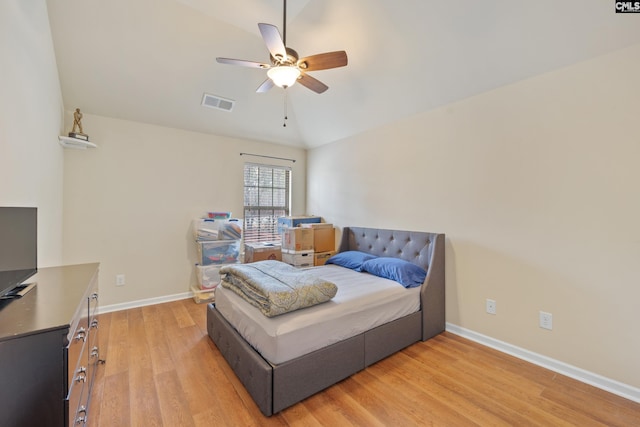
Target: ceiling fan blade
{"x":265,"y":86}
{"x":323,"y":61}
{"x":243,"y":63}
{"x":273,"y":40}
{"x":312,"y":83}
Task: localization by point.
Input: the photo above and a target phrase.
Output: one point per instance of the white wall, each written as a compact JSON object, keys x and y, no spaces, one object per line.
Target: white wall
{"x":31,"y":159}
{"x":129,"y":203}
{"x":536,"y":187}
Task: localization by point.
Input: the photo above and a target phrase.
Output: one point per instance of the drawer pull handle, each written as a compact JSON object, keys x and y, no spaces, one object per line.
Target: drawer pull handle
{"x":82,"y":375}
{"x":81,"y":335}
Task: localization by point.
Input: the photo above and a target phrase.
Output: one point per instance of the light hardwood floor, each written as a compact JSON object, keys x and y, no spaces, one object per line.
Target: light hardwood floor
{"x":163,"y":370}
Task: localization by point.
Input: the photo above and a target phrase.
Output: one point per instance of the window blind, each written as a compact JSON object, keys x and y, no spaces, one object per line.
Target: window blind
{"x":266,"y":197}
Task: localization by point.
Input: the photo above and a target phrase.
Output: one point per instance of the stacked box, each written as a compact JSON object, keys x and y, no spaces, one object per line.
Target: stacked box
{"x":208,"y":275}
{"x":320,"y":258}
{"x":298,"y":258}
{"x":204,"y":229}
{"x":262,"y":251}
{"x":324,"y":236}
{"x":217,"y":229}
{"x":295,"y":221}
{"x":297,"y":239}
{"x":230,"y":229}
{"x":203,"y":295}
{"x":217,"y":238}
{"x":218,"y":252}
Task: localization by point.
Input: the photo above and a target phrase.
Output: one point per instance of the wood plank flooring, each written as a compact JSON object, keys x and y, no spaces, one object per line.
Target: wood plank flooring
{"x":163,"y":370}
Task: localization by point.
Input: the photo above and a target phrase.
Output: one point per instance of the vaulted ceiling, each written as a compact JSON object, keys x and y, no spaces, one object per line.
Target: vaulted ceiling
{"x":151,"y":61}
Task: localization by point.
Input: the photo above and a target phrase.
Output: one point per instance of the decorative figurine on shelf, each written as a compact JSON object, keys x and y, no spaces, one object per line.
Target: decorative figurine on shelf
{"x":77,"y":124}
{"x":77,"y":118}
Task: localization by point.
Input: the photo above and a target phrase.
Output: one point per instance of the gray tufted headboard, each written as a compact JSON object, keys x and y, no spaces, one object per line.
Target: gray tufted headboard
{"x":421,"y":248}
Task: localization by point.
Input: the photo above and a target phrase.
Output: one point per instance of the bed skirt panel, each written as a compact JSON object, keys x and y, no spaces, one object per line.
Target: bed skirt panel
{"x":255,"y":373}
{"x":304,"y":376}
{"x":392,"y":337}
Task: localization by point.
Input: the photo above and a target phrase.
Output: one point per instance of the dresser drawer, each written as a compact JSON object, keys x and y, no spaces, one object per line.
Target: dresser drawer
{"x":77,"y":384}
{"x":77,"y":354}
{"x":76,"y":358}
{"x":93,"y":356}
{"x":78,"y":406}
{"x":93,"y":302}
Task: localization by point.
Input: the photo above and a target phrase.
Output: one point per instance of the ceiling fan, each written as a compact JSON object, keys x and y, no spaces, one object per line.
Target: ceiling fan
{"x":286,"y":67}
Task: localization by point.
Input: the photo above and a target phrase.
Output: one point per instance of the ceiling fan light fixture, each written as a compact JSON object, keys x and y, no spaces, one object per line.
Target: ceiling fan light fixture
{"x":284,"y":75}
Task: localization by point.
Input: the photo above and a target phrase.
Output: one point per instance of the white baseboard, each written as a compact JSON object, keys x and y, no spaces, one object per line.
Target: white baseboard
{"x":143,"y":302}
{"x":612,"y":386}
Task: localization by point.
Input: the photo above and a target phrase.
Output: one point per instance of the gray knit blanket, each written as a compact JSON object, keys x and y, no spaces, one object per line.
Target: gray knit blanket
{"x":275,"y":287}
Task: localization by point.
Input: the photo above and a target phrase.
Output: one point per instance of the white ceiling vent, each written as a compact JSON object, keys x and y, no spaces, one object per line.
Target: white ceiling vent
{"x":213,"y":101}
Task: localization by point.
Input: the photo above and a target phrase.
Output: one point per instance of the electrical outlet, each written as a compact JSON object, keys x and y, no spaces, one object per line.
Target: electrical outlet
{"x":119,"y":279}
{"x":491,"y":306}
{"x":546,"y":320}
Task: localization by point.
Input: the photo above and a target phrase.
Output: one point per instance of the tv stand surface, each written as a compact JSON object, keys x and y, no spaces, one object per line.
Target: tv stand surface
{"x":49,"y":349}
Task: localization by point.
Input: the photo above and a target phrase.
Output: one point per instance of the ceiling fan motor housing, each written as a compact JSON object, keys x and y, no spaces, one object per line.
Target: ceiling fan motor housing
{"x":291,"y":59}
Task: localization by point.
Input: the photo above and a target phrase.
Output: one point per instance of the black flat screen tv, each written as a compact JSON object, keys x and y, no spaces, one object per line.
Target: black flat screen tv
{"x":18,"y":247}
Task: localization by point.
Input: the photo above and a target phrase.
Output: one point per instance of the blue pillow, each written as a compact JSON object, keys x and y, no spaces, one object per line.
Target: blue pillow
{"x":407,"y":274}
{"x":350,"y":259}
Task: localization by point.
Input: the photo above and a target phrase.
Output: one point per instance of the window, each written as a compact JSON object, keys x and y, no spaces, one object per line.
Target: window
{"x":267,"y":194}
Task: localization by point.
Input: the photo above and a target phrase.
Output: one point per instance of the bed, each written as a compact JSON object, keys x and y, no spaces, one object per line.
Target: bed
{"x":293,"y":377}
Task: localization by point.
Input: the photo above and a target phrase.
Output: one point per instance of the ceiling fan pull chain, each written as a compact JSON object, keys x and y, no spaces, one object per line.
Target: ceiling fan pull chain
{"x":284,"y":124}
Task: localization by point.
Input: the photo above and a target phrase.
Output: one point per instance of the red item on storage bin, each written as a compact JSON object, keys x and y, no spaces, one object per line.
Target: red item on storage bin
{"x":219,"y":215}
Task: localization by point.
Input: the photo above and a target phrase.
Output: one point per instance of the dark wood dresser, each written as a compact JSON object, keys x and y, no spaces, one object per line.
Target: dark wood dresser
{"x":49,"y":349}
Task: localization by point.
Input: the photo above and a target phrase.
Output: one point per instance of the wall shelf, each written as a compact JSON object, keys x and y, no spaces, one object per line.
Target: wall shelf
{"x":78,"y":144}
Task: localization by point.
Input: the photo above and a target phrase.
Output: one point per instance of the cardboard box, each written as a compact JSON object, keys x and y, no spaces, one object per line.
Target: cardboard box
{"x":316,"y":225}
{"x":218,"y":252}
{"x":320,"y":258}
{"x":324,"y":236}
{"x":298,"y":258}
{"x":295,"y":221}
{"x":297,"y":239}
{"x":262,"y":251}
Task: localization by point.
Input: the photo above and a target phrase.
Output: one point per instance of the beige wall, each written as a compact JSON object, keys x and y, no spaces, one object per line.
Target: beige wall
{"x":31,"y":159}
{"x":536,"y":187}
{"x":129,"y":203}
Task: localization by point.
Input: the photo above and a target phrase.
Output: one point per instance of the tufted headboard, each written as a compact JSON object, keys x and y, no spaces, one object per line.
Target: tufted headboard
{"x":412,"y":246}
{"x":421,"y":248}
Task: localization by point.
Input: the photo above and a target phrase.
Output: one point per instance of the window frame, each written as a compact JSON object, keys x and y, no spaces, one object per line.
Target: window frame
{"x":259,"y":225}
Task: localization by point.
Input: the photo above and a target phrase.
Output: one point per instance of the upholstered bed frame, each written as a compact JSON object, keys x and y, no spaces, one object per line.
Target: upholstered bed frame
{"x":276,"y":387}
